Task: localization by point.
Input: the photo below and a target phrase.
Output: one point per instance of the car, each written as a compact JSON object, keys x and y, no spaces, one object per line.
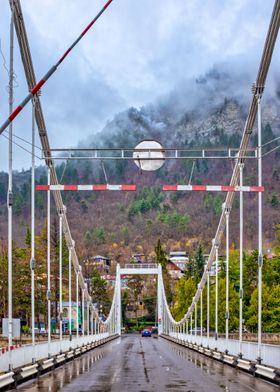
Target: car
{"x":146,"y":332}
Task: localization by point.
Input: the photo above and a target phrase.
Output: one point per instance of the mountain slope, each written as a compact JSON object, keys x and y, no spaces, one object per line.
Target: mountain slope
{"x":199,"y":113}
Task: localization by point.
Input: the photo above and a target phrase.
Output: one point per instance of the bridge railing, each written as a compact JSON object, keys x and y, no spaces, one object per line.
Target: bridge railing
{"x":147,"y":265}
{"x":23,"y":356}
{"x":270,"y":352}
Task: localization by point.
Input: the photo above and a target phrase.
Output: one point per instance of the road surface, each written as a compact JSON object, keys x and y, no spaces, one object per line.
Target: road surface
{"x":136,"y":364}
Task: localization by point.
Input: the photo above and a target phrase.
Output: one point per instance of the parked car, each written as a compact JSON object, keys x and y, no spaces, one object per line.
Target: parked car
{"x":146,"y":332}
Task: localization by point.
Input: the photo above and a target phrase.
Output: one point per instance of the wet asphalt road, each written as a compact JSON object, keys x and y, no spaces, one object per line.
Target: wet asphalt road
{"x":135,"y":364}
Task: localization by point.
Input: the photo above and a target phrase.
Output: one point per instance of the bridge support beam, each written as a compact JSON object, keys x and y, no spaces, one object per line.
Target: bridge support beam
{"x":60,"y":276}
{"x":241,"y":167}
{"x":227,"y":211}
{"x":159,"y":299}
{"x":217,"y":292}
{"x":118,"y":302}
{"x":259,"y":91}
{"x":49,"y":262}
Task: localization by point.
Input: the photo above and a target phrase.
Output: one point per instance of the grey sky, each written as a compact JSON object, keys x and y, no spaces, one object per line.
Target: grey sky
{"x":137,"y":51}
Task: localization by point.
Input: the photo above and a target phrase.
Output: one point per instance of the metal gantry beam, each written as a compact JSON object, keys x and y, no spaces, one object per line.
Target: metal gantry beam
{"x":176,"y":153}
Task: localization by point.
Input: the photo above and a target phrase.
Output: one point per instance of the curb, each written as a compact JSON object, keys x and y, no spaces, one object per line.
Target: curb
{"x":251,"y":367}
{"x":17,"y":376}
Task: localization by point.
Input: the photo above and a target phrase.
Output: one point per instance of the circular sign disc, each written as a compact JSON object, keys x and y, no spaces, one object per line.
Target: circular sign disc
{"x":153,"y":163}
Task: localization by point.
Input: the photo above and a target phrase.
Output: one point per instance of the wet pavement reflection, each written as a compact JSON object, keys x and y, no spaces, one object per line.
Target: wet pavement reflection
{"x":136,"y":364}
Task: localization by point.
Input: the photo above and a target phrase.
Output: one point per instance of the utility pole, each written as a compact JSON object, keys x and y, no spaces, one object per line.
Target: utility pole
{"x":32,"y":260}
{"x":258,"y":93}
{"x":10,"y":194}
{"x":227,"y":211}
{"x":241,"y":166}
{"x":217,"y":291}
{"x":49,"y":261}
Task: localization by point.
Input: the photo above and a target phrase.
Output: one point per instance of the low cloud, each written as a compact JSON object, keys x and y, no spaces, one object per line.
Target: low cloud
{"x":137,"y":53}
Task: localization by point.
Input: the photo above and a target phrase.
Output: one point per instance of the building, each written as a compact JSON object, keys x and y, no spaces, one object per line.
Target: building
{"x":111,"y":280}
{"x":139,"y":258}
{"x":65,"y":317}
{"x":174,"y":271}
{"x":180,"y":259}
{"x":100,"y":263}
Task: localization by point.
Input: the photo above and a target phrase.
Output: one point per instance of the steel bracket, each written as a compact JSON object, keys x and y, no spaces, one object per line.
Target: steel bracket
{"x":260,"y":260}
{"x":32,"y":264}
{"x":10,"y":199}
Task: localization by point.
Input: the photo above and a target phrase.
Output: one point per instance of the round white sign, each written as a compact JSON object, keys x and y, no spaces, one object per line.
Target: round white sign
{"x":149,"y":164}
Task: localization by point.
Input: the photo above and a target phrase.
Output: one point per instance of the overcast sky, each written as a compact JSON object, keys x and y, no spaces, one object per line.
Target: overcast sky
{"x":137,"y":51}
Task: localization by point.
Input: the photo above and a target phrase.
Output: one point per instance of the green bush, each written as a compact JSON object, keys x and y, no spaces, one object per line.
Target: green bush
{"x":147,"y":199}
{"x":173,"y":218}
{"x":25,"y":329}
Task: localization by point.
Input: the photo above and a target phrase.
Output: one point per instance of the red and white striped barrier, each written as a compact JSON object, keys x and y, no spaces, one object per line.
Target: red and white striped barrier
{"x":100,"y":187}
{"x":6,"y":349}
{"x":213,"y":188}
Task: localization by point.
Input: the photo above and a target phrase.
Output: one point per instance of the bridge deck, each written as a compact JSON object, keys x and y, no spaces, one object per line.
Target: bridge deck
{"x":140,"y":364}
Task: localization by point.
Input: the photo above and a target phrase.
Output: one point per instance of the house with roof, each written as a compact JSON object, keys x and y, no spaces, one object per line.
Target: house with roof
{"x":180,"y":259}
{"x":174,"y":271}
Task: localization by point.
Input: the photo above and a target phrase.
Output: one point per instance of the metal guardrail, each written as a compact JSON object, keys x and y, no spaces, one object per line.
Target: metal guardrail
{"x":270,"y":352}
{"x":23,"y":355}
{"x":141,"y":265}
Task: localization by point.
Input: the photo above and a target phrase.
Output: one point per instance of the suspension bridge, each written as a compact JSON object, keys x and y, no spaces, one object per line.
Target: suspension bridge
{"x":101,"y":340}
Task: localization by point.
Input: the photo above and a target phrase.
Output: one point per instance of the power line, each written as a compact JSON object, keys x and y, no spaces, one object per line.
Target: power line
{"x":5,"y":66}
{"x":18,"y":145}
{"x":270,"y":151}
{"x":271,"y":141}
{"x":25,"y":141}
{"x":4,"y":59}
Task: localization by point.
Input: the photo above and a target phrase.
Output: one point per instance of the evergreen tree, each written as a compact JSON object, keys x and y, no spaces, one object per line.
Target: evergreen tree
{"x":189,"y":271}
{"x":199,"y":263}
{"x":99,"y":288}
{"x":28,"y":237}
{"x":162,"y":259}
{"x":161,"y":255}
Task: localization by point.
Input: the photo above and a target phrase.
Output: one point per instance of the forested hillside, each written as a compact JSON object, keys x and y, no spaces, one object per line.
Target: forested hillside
{"x":118,"y":224}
